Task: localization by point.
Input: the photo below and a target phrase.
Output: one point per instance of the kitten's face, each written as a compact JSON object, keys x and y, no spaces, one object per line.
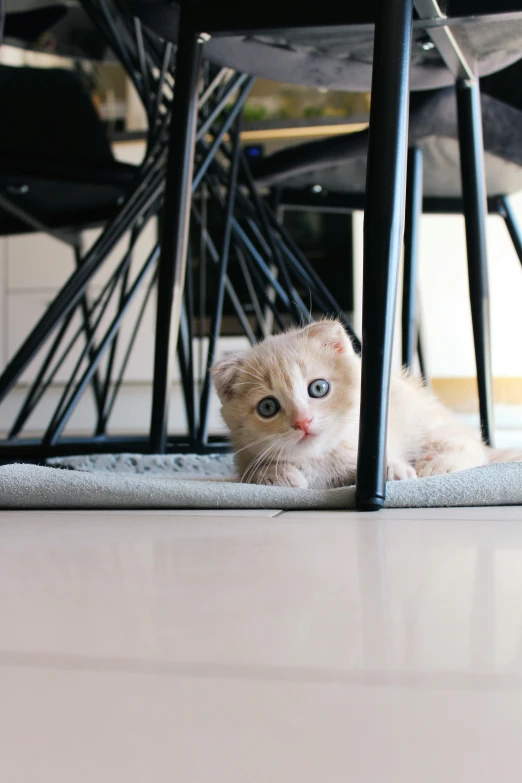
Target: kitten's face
{"x":292,"y":394}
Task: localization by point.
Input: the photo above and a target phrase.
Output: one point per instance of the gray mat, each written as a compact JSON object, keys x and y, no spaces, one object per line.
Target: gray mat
{"x":34,"y":487}
{"x":173,"y":465}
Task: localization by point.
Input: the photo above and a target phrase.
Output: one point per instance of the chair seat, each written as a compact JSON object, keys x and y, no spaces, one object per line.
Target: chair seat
{"x":339,"y":164}
{"x":72,"y":202}
{"x":339,"y":58}
{"x":56,"y":162}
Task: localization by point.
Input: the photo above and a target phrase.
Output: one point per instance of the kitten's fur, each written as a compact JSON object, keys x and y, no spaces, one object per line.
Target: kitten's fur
{"x":424,"y":438}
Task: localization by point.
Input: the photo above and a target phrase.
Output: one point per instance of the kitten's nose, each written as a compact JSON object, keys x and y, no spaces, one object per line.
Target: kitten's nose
{"x":302,"y":424}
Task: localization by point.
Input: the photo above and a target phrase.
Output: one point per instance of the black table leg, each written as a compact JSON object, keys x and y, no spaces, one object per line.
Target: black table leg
{"x":475,"y":210}
{"x":383,"y":235}
{"x":176,"y":215}
{"x":411,"y":252}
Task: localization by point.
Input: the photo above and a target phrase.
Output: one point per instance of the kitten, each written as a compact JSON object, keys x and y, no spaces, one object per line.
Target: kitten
{"x":292,"y":406}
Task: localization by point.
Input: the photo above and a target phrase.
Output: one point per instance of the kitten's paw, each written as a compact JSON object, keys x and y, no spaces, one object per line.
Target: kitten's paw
{"x":396,"y":470}
{"x":281,"y":476}
{"x":434,"y":464}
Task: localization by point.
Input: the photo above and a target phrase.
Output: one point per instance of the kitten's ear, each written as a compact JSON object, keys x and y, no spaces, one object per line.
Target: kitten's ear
{"x":224,"y":374}
{"x":331,"y":334}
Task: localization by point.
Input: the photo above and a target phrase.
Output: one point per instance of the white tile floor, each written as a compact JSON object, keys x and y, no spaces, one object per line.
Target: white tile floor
{"x":261,"y":648}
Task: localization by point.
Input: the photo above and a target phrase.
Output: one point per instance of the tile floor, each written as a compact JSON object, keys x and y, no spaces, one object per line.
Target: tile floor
{"x":261,"y":647}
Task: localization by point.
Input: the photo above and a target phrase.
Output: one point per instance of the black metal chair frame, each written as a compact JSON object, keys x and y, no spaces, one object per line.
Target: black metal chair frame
{"x":270,"y":263}
{"x":384,"y":207}
{"x":385,"y":192}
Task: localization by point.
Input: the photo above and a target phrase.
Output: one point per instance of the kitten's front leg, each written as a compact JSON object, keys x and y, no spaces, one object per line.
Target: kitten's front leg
{"x":398,"y":469}
{"x":281,"y":475}
{"x":451,"y":457}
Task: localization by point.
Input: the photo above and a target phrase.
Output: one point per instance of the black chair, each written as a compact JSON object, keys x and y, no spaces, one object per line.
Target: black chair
{"x":219,"y":167}
{"x":148,"y":62}
{"x":57,"y":169}
{"x":243,"y":36}
{"x":58,"y":175}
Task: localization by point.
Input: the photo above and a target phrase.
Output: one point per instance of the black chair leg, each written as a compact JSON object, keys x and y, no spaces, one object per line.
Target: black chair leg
{"x":422,"y":361}
{"x":411,"y":252}
{"x":505,"y":211}
{"x":475,"y":210}
{"x":383,"y":236}
{"x":175,"y":229}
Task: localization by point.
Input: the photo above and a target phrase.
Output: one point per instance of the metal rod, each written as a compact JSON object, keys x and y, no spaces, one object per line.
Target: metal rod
{"x":245,"y":242}
{"x":203,"y":233}
{"x":209,"y":91}
{"x":146,"y":93}
{"x":29,"y":403}
{"x":70,"y":294}
{"x":215,"y":326}
{"x":260,"y":319}
{"x":459,"y":61}
{"x":174,"y":242}
{"x":296,"y":304}
{"x":87,"y":351}
{"x":474,"y":203}
{"x":130,"y":346}
{"x":186,"y":379}
{"x":167,"y":57}
{"x":84,"y":308}
{"x":321,"y":295}
{"x":236,"y":304}
{"x":227,"y":124}
{"x":59,"y":421}
{"x":259,"y":283}
{"x":422,"y":362}
{"x":289,"y":247}
{"x":512,"y":226}
{"x":411,"y":252}
{"x":383,"y":236}
{"x":39,"y":387}
{"x":102,"y":417}
{"x":233,"y":85}
{"x":30,"y":449}
{"x":189,"y":310}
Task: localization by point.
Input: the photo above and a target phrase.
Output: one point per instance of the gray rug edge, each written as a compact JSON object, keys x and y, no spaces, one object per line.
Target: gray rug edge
{"x":24,"y":486}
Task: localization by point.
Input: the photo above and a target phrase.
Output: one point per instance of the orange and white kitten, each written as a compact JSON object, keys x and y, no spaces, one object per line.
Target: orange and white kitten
{"x":292,"y":406}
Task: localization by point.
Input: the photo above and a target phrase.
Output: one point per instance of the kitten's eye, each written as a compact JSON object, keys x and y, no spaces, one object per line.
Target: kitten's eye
{"x":268,"y":407}
{"x":319,"y":388}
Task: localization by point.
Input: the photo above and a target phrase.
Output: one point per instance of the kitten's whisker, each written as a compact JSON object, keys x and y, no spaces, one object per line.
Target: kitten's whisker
{"x":252,"y":465}
{"x":269,"y":463}
{"x":278,"y":459}
{"x":258,"y":461}
{"x":254,"y":443}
